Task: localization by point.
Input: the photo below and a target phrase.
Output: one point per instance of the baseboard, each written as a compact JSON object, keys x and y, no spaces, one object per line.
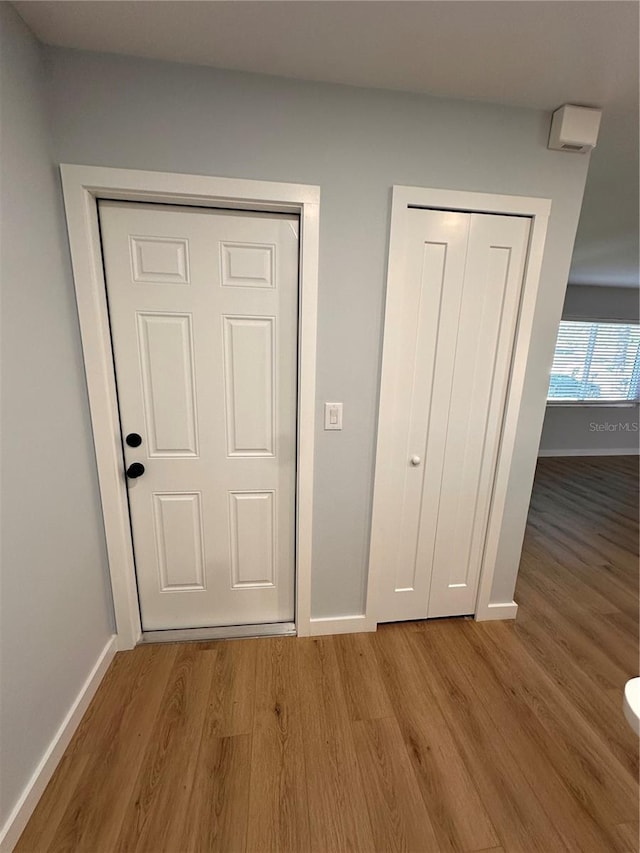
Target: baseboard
{"x":17,"y":820}
{"x":502,"y":610}
{"x":581,"y":451}
{"x":340,"y":625}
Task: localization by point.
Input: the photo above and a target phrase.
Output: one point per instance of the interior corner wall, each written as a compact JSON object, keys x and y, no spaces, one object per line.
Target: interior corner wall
{"x":594,"y":430}
{"x":56,"y":612}
{"x":356,"y":144}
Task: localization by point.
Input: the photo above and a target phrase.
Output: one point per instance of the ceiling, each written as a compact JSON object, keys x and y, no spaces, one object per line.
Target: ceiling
{"x":539,"y":54}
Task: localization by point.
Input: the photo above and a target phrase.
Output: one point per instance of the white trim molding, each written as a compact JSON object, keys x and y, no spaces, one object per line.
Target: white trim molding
{"x":19,"y":817}
{"x":591,"y":451}
{"x":504,"y":610}
{"x":538,"y":211}
{"x":591,"y":404}
{"x":82,"y":187}
{"x":341,"y":625}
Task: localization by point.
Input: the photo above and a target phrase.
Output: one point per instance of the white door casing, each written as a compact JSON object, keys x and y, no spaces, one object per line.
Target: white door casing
{"x":83,"y":186}
{"x":448,"y":397}
{"x":203,"y":311}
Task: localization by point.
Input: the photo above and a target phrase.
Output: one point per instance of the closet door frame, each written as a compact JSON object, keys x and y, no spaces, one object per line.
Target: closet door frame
{"x":503,"y":542}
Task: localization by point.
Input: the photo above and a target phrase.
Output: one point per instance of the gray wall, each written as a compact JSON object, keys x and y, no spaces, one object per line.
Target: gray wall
{"x":55,"y":606}
{"x":590,"y":430}
{"x":596,"y":429}
{"x":606,"y":250}
{"x":355,"y":143}
{"x":589,"y":302}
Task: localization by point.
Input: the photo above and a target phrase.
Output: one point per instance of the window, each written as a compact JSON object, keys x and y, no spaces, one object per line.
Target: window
{"x":596,"y":361}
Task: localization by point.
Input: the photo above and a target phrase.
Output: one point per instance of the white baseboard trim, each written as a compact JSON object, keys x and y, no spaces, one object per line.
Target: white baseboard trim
{"x":17,"y":820}
{"x":581,"y":451}
{"x":502,"y":610}
{"x":341,"y":625}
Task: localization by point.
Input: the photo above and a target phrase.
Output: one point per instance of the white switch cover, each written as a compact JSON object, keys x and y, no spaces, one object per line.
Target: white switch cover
{"x":333,"y":415}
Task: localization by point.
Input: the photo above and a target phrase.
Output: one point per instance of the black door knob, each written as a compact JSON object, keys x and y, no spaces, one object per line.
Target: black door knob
{"x":133,"y":439}
{"x":136,"y":469}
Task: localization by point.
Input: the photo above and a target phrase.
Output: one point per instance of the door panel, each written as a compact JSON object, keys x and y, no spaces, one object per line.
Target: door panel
{"x":436,"y":249}
{"x":159,"y":260}
{"x":203,"y":312}
{"x":486,"y":333}
{"x":247,"y":265}
{"x":165,"y":344}
{"x":250,"y":385}
{"x":179,"y":541}
{"x":462,"y":279}
{"x":252,"y":538}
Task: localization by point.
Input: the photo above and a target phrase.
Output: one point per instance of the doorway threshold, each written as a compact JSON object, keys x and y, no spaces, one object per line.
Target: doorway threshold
{"x":227,"y":632}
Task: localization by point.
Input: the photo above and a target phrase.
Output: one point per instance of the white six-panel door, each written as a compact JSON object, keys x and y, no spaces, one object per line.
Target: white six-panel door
{"x":203,"y":313}
{"x":454,"y":333}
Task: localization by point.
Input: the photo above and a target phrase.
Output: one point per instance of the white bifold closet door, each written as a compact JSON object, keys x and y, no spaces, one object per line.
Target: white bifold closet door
{"x":203,"y":313}
{"x":453,"y":340}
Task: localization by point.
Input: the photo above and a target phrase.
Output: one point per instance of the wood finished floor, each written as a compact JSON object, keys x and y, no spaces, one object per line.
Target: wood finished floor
{"x":450,"y":735}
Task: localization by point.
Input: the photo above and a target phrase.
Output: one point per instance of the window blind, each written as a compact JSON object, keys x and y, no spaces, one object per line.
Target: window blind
{"x":596,"y":361}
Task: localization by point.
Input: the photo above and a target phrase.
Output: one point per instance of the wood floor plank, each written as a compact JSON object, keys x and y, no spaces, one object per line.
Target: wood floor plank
{"x":278,"y":816}
{"x":444,"y":777}
{"x":619,"y":514}
{"x":627,"y":626}
{"x":550,"y":578}
{"x":338,"y":814}
{"x":104,"y":714}
{"x":609,"y":634}
{"x":596,"y":480}
{"x":507,"y":791}
{"x":217,"y":817}
{"x":165,"y":781}
{"x":606,"y":788}
{"x":232,"y":699}
{"x":566,"y":795}
{"x":605,"y":672}
{"x":41,"y":829}
{"x":629,"y":834}
{"x":399,"y":817}
{"x":591,"y":701}
{"x":93,"y":820}
{"x":590,"y":508}
{"x":364,"y":690}
{"x":622,"y":593}
{"x":569,"y":540}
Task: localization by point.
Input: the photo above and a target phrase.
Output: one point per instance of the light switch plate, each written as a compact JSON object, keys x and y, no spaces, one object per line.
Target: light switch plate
{"x":333,"y":415}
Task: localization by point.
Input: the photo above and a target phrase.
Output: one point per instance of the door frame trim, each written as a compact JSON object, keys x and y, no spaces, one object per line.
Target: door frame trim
{"x":538,"y":210}
{"x":82,"y":187}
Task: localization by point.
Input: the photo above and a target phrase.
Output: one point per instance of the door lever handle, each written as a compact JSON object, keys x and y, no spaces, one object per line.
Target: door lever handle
{"x":136,"y":469}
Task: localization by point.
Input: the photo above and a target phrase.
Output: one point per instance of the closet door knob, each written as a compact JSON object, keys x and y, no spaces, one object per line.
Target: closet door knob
{"x":415,"y":461}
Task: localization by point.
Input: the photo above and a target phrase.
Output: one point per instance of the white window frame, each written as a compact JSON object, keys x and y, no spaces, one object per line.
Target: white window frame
{"x":503,"y":543}
{"x":82,"y":187}
{"x":608,"y":404}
